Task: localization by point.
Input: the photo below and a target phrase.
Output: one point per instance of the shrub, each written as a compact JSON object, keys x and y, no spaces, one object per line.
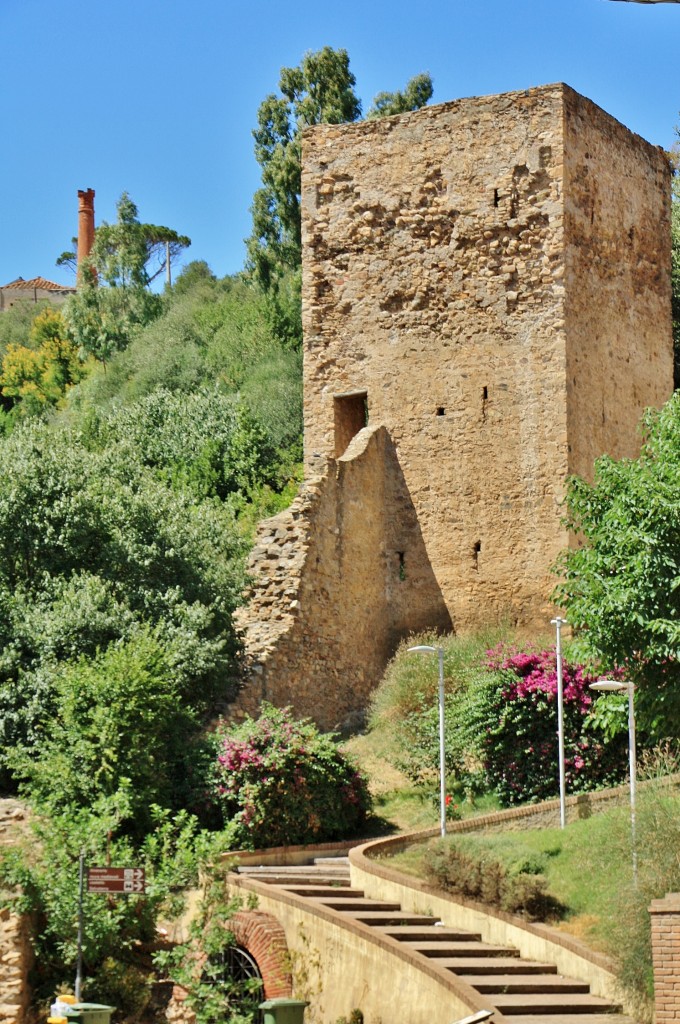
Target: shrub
{"x":406,"y":704}
{"x":280,"y":781}
{"x":489,"y":881}
{"x":119,"y":723}
{"x":500,"y":721}
{"x":42,"y":879}
{"x":516,"y":714}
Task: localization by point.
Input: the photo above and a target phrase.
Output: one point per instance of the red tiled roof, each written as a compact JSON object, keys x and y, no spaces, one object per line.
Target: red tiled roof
{"x":38,"y":282}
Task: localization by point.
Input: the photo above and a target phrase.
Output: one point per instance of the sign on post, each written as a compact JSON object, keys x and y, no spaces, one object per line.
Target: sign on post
{"x":115,"y":881}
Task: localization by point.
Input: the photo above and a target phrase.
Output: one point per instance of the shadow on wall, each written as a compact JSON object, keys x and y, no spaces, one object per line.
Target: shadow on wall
{"x":339,"y":578}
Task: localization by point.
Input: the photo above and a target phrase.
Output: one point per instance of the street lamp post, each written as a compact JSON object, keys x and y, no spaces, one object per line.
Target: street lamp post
{"x":618,"y":686}
{"x":558,"y":623}
{"x":426,"y":649}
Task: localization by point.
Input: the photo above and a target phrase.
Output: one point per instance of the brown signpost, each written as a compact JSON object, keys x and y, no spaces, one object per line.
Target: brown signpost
{"x":116,"y":881}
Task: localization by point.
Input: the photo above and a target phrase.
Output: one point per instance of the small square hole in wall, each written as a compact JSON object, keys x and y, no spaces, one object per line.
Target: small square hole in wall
{"x":441,"y":411}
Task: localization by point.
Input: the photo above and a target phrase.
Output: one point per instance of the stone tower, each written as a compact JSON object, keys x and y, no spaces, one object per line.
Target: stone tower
{"x":486,"y":309}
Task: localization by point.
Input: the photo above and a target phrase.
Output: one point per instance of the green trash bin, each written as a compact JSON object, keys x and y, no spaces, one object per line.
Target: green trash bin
{"x":284,"y":1011}
{"x":93,"y":1013}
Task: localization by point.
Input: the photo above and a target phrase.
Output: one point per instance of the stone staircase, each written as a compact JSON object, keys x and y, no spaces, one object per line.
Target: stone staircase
{"x":528,"y":991}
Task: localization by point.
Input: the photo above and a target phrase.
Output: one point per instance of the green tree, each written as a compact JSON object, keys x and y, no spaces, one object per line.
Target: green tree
{"x":120,"y":722}
{"x":621,"y":585}
{"x":129,"y":252}
{"x":113,"y":298}
{"x":320,"y":90}
{"x":93,"y":548}
{"x":41,"y":874}
{"x":38,"y":375}
{"x":675,"y":278}
{"x":416,"y":94}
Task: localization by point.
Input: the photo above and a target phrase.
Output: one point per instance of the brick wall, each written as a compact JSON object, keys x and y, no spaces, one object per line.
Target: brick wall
{"x":665,"y":915}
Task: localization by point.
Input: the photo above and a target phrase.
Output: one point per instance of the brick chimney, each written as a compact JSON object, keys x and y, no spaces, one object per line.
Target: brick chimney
{"x":85,"y":223}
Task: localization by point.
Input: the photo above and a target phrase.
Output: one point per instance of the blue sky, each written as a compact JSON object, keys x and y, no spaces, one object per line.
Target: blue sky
{"x":159,"y":97}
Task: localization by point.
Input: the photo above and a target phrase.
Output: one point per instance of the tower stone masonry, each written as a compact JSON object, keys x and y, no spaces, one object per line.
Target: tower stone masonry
{"x":486,"y":310}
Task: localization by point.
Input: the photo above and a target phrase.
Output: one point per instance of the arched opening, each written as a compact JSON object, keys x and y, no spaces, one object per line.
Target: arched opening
{"x":235,"y":972}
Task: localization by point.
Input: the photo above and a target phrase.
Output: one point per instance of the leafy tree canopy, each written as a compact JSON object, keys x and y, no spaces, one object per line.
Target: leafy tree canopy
{"x":113,"y":299}
{"x":416,"y":94}
{"x":95,"y":546}
{"x":320,"y":90}
{"x":37,"y":375}
{"x":621,"y":586}
{"x":127,"y":252}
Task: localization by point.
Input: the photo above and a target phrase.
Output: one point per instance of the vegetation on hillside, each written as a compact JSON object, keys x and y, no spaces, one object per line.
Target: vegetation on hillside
{"x":500,"y":720}
{"x":620,"y":586}
{"x":580,"y":876}
{"x":143,"y":435}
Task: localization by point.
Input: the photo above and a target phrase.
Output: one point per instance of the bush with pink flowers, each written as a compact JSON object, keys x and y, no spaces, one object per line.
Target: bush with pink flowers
{"x":516,"y":717}
{"x":281,"y":782}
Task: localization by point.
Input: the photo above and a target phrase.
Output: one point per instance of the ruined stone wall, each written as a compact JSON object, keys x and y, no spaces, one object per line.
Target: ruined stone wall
{"x":617,"y":283}
{"x":330,"y":598}
{"x":16,"y":957}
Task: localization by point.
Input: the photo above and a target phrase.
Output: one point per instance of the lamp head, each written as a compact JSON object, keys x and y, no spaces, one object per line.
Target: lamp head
{"x":609,"y":686}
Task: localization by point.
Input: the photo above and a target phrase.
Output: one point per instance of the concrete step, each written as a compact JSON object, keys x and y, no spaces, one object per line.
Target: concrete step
{"x":516,"y":983}
{"x":319,"y":891}
{"x":464,"y":948}
{"x":457,"y":951}
{"x":380,"y":919}
{"x":311,"y":870}
{"x":545,"y":1003}
{"x":352,"y":905}
{"x":485,"y":965}
{"x":336,"y":861}
{"x":300,"y":879}
{"x":429,"y":934}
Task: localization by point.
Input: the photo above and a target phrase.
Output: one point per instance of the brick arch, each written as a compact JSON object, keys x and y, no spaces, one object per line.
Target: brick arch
{"x":264,"y":938}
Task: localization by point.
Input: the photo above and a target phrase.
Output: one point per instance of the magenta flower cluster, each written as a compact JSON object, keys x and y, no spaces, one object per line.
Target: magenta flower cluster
{"x":537,"y":670}
{"x":280,"y":782}
{"x":520,"y":736}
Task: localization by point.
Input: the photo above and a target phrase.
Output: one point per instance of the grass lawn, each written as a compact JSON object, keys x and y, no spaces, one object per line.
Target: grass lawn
{"x":399,"y":805}
{"x":585,"y":864}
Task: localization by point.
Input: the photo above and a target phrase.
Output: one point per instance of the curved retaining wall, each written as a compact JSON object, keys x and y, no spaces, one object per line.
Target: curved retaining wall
{"x":534,"y":941}
{"x":370,"y":872}
{"x":340,"y":964}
